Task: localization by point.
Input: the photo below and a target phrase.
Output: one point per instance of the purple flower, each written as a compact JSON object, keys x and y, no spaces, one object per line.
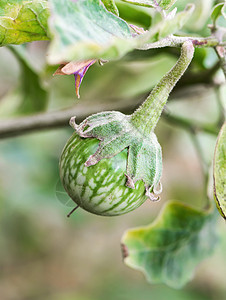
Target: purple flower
{"x":78,"y":68}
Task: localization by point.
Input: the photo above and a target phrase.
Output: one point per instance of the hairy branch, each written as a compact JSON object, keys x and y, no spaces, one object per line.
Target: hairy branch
{"x":177,"y":41}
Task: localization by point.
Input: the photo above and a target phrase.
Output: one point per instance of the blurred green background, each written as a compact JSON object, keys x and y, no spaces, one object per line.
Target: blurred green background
{"x":45,"y":255}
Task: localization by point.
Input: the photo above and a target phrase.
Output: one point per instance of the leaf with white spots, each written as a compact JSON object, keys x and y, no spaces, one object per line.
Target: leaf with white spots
{"x":168,"y":250}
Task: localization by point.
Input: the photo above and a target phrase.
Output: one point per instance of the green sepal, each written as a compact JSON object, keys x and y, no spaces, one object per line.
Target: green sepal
{"x":116,"y":132}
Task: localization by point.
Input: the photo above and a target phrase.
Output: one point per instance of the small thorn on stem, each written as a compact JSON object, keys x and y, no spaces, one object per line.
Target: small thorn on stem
{"x":71,"y":212}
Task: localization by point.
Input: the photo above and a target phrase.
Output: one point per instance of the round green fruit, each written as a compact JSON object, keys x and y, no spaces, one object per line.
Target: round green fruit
{"x":100,"y":189}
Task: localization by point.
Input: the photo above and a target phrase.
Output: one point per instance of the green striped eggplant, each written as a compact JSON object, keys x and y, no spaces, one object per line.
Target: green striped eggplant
{"x":113,"y":162}
{"x":99,"y":189}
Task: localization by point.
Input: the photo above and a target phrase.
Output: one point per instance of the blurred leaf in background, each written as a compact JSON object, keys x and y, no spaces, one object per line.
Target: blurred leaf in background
{"x":33,"y":96}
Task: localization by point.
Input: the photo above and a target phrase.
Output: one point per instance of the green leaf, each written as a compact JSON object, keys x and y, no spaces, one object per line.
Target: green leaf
{"x":85,"y":29}
{"x":166,"y":4}
{"x":219,"y":172}
{"x":223,"y":11}
{"x":217,"y":12}
{"x":33,"y":96}
{"x":23,"y":21}
{"x":168,"y":250}
{"x":110,"y":5}
{"x":117,"y":132}
{"x":169,"y":25}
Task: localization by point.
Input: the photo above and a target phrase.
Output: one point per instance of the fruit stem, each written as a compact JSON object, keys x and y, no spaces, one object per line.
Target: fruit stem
{"x":71,"y":212}
{"x":147,"y":115}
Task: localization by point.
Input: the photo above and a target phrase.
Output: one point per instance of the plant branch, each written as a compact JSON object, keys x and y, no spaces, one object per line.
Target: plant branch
{"x":206,"y":76}
{"x":57,"y":119}
{"x":204,"y":165}
{"x":221,"y":53}
{"x":220,"y":49}
{"x":189,"y":125}
{"x":222,"y":110}
{"x":193,"y":129}
{"x":177,"y":41}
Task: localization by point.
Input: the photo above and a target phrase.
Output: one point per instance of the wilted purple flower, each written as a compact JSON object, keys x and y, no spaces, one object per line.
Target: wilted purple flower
{"x":78,"y":68}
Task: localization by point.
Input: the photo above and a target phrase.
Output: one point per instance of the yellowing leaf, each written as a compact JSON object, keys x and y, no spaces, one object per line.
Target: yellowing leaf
{"x":23,"y":21}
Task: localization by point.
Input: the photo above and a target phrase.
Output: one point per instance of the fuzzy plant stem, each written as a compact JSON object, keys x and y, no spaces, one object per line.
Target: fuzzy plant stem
{"x":147,"y":115}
